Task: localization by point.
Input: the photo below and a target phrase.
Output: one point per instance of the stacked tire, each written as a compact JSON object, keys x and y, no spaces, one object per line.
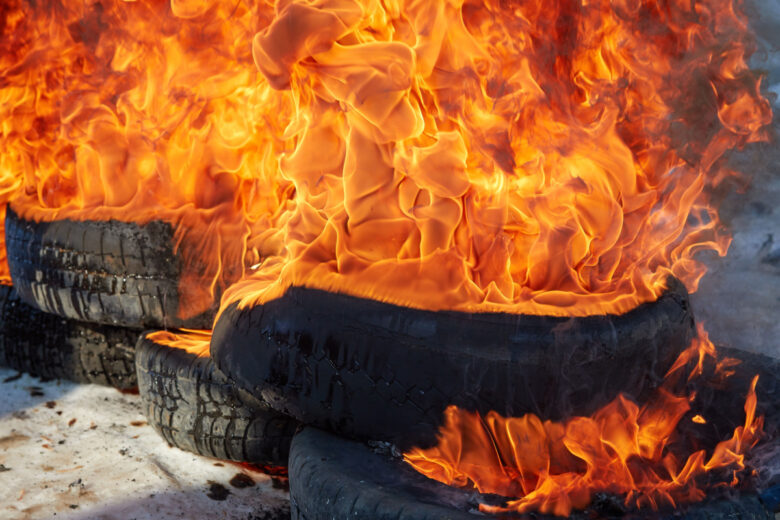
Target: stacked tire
{"x":52,"y":347}
{"x":84,"y":294}
{"x":371,"y":379}
{"x":376,"y":371}
{"x":195,"y":407}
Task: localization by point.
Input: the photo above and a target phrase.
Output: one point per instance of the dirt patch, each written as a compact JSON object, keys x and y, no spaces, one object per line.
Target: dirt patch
{"x":9,"y":441}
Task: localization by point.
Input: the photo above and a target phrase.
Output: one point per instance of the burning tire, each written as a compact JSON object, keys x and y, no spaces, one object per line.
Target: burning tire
{"x":49,"y":346}
{"x":373,"y":370}
{"x":196,"y":408}
{"x":109,"y":272}
{"x":331,"y":477}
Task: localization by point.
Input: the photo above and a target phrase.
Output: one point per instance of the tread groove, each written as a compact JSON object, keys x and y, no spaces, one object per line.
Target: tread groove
{"x":196,"y":408}
{"x":65,"y":267}
{"x":49,"y":346}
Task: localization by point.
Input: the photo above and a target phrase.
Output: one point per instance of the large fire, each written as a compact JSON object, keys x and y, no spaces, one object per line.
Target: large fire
{"x":543,"y":157}
{"x":530,"y":157}
{"x":145,"y":110}
{"x":554,"y":467}
{"x":538,"y":156}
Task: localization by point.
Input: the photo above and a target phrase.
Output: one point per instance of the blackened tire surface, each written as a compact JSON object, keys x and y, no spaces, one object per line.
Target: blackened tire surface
{"x":334,"y":478}
{"x":51,"y":347}
{"x":331,"y":477}
{"x":722,"y":407}
{"x":373,"y":370}
{"x":196,"y":408}
{"x":109,"y":272}
{"x":727,"y":409}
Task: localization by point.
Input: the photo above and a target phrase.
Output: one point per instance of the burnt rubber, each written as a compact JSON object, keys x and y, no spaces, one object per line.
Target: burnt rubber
{"x":373,"y":370}
{"x":196,"y":408}
{"x":331,"y":477}
{"x":109,"y":272}
{"x":51,"y":347}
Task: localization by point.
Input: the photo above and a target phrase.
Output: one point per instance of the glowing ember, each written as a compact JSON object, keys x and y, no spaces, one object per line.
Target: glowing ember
{"x":556,"y":467}
{"x":522,"y":156}
{"x":144,"y":110}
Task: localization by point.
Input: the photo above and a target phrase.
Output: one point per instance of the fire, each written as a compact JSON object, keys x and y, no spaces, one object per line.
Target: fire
{"x":193,"y":341}
{"x":528,"y":157}
{"x":145,"y":110}
{"x":554,"y":467}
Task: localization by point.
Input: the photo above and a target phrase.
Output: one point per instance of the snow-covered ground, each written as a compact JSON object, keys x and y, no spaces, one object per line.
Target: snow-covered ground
{"x":85,"y":452}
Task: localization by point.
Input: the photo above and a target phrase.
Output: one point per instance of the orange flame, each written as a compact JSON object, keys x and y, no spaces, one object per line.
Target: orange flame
{"x":537,"y":157}
{"x":556,"y":467}
{"x":193,"y":341}
{"x":521,"y":156}
{"x":145,"y":110}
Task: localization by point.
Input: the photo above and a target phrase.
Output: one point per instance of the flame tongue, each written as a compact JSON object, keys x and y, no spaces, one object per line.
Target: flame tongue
{"x":556,"y":467}
{"x":529,"y":157}
{"x":144,"y":110}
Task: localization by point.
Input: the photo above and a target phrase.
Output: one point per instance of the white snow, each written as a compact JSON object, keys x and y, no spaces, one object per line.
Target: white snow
{"x":89,"y":454}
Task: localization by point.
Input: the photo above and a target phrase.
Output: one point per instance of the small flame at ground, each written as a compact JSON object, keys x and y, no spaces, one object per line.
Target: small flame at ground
{"x":555,"y":467}
{"x":195,"y":342}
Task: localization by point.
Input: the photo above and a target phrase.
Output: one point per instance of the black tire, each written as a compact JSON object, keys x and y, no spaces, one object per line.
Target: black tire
{"x":51,"y":347}
{"x":720,"y":406}
{"x":196,"y":408}
{"x":109,"y":272}
{"x":334,"y":478}
{"x":373,"y":370}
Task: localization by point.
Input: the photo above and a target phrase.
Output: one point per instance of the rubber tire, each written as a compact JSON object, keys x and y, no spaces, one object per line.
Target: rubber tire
{"x":372,"y":370}
{"x":51,"y":347}
{"x":197,"y":409}
{"x":333,"y":478}
{"x":109,"y":272}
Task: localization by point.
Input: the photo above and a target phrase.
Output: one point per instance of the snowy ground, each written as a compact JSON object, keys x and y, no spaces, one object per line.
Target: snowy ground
{"x":85,"y":452}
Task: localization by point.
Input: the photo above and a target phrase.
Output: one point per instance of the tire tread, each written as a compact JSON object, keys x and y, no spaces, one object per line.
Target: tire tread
{"x":108,"y":272}
{"x":196,"y":408}
{"x":51,"y":347}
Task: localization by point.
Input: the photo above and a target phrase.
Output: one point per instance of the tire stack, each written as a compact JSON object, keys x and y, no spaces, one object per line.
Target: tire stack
{"x":59,"y":338}
{"x":371,"y":379}
{"x":97,"y":302}
{"x":84,"y":294}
